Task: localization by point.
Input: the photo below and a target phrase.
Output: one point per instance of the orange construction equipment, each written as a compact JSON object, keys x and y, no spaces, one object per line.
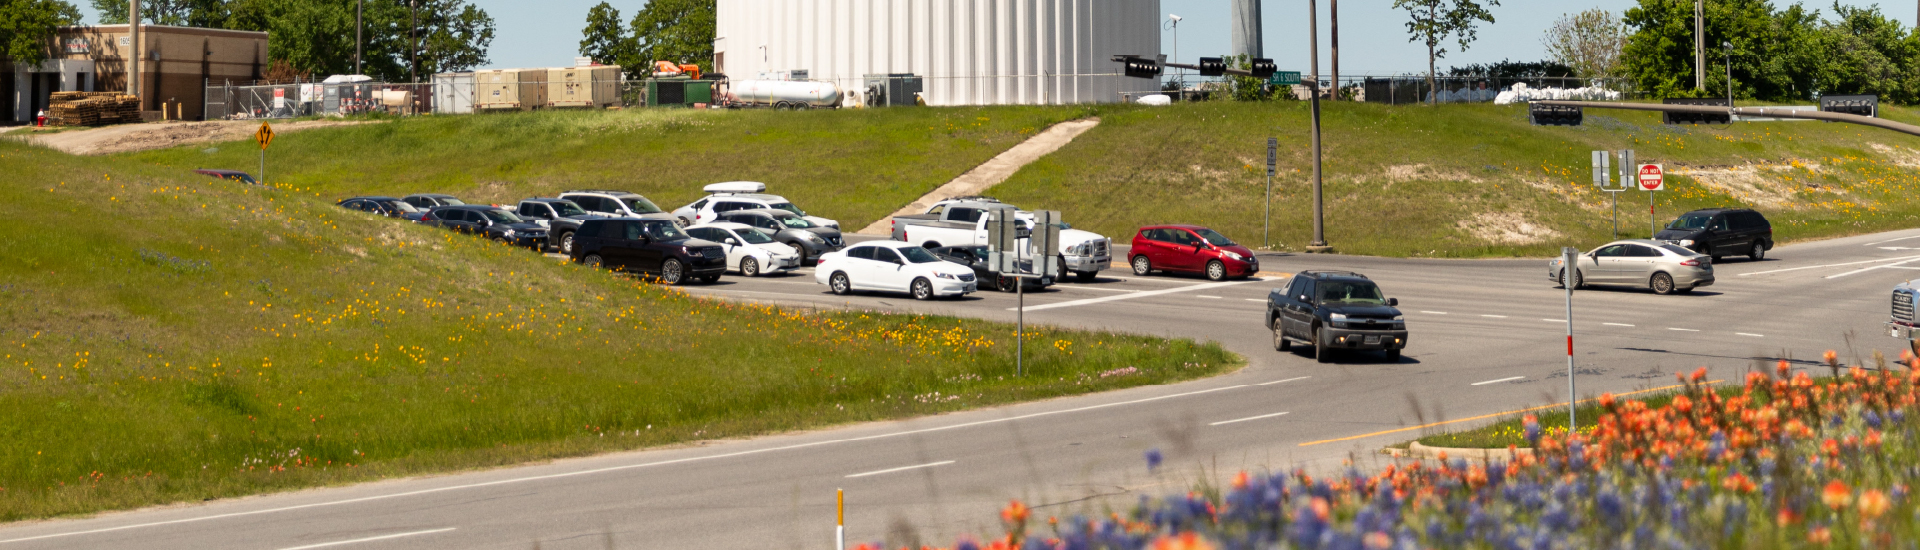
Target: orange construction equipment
{"x":668,"y":68}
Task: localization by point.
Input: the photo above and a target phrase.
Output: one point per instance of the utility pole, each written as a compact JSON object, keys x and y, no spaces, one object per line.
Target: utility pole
{"x":133,"y":57}
{"x":1699,"y":45}
{"x":1319,"y":243}
{"x":1333,"y":20}
{"x":413,"y":41}
{"x":358,"y":6}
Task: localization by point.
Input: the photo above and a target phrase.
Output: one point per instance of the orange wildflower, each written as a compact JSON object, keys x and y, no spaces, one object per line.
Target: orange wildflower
{"x":1836,"y":495}
{"x":1186,"y":541}
{"x":1873,"y":503}
{"x":1014,"y":513}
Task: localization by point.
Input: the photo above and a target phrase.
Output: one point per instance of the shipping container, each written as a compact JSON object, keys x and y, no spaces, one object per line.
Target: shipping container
{"x":453,"y":93}
{"x":517,"y":89}
{"x":593,"y":87}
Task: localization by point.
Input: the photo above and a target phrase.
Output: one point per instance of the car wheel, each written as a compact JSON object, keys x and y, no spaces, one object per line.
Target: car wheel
{"x":1320,"y":351}
{"x":1141,"y":266}
{"x":1216,"y":271}
{"x":839,"y":284}
{"x":501,"y":240}
{"x":1280,"y":342}
{"x":1759,"y":251}
{"x":750,"y":267}
{"x":1577,"y":279}
{"x":592,"y":260}
{"x":1004,"y":283}
{"x":684,"y":222}
{"x":1393,"y":356}
{"x":922,"y":289}
{"x":1086,"y":276}
{"x":672,"y":272}
{"x":1661,"y":284}
{"x":801,"y":250}
{"x":566,"y":243}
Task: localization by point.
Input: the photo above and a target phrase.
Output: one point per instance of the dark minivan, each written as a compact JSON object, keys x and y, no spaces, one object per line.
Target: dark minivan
{"x":652,"y":246}
{"x":1721,"y":232}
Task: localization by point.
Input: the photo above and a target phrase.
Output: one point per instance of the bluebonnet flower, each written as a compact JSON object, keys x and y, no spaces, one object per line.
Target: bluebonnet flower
{"x":1873,"y":418}
{"x":1153,"y":459}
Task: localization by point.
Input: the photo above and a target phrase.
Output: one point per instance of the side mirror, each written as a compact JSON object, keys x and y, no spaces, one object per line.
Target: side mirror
{"x":730,"y":241}
{"x":1393,"y":302}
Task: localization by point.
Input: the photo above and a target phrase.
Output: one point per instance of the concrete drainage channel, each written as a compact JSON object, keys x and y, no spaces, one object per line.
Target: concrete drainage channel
{"x":993,"y":171}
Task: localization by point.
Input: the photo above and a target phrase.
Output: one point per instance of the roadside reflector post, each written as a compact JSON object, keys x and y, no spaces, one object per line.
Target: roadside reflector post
{"x":1569,"y":267}
{"x":840,"y":529}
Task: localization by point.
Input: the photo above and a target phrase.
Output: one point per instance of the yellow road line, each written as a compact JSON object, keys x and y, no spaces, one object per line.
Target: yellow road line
{"x":1485,"y":416}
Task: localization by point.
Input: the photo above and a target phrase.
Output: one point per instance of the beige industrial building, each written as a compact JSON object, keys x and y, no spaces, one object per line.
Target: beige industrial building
{"x":179,"y":62}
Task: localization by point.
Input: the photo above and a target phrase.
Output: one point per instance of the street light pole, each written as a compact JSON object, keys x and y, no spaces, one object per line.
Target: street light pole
{"x":413,"y":41}
{"x":358,"y":6}
{"x":1173,"y":21}
{"x":1319,"y":243}
{"x":1333,"y":25}
{"x":1699,"y":45}
{"x":1728,"y":46}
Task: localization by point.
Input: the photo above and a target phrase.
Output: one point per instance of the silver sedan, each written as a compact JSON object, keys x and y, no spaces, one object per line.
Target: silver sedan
{"x":1665,"y":268}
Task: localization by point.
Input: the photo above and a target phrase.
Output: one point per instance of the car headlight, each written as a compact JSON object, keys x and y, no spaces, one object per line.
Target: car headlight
{"x":509,"y":233}
{"x":1686,"y":242}
{"x":816,"y":239}
{"x":946,"y":276}
{"x":1236,"y":256}
{"x":1399,"y":317}
{"x":1338,"y":317}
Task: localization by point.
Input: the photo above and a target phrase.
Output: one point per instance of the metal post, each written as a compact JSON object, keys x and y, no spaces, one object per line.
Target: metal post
{"x":1319,"y":243}
{"x":1333,"y":26}
{"x":1699,"y":45}
{"x":1020,"y":328}
{"x":1570,"y":262}
{"x":133,"y":57}
{"x":263,"y":166}
{"x":1266,"y":235}
{"x":1615,"y":199}
{"x":413,"y":44}
{"x":1728,"y":46}
{"x":358,"y":7}
{"x":1653,"y":225}
{"x":840,"y":529}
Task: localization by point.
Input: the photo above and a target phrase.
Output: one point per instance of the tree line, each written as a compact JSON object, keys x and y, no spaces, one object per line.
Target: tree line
{"x":680,"y":31}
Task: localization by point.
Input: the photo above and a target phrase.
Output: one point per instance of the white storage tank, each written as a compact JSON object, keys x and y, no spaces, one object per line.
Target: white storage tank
{"x":970,"y":52}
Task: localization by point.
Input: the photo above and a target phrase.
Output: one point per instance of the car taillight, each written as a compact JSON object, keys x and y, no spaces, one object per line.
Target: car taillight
{"x":1694,"y":263}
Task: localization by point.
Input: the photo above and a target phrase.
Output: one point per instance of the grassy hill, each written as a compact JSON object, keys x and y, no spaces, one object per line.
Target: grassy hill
{"x":855,"y":166}
{"x":171,"y":337}
{"x":1462,"y":180}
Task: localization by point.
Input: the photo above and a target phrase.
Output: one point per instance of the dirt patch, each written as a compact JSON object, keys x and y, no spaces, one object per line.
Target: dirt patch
{"x":1901,"y":156}
{"x":127,"y":138}
{"x":1750,"y":184}
{"x":1506,"y":228}
{"x":1402,"y":173}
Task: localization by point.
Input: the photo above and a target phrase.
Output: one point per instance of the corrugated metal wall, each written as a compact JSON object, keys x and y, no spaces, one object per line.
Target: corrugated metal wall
{"x":971,"y":52}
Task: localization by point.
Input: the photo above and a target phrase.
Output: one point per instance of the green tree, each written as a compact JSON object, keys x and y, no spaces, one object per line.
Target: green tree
{"x":27,"y":25}
{"x":680,"y":31}
{"x":1433,"y":22}
{"x":1864,"y":52}
{"x":182,"y":13}
{"x":607,"y":42}
{"x":1589,"y":42}
{"x":1774,"y":53}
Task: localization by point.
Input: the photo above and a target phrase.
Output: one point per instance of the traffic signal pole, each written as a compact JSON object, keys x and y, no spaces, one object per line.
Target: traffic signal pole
{"x":1319,"y":243}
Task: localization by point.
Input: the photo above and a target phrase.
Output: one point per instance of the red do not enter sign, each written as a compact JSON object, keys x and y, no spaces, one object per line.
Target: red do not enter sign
{"x":1652,"y":178}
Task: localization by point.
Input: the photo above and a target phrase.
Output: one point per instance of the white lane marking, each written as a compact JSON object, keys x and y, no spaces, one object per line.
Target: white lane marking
{"x":369,"y":539}
{"x":1866,"y":269}
{"x":1076,"y":287}
{"x":1253,"y":300}
{"x":622,"y":467}
{"x":1508,"y":379}
{"x":1435,"y":312}
{"x":1902,"y":258}
{"x":1616,"y":324}
{"x":1247,"y":418}
{"x":1901,"y":267}
{"x":1283,"y":381}
{"x":1682,"y":329}
{"x":901,"y":469}
{"x":1749,"y":334}
{"x":1892,"y":240}
{"x":1207,"y":297}
{"x":1495,"y":316}
{"x":1555,"y":320}
{"x":1133,"y":295}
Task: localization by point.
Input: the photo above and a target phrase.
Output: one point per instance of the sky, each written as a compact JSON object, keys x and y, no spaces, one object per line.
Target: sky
{"x":546,"y":33}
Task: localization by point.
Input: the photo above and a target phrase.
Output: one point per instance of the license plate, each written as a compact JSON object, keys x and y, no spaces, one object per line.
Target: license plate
{"x":1373,"y":339}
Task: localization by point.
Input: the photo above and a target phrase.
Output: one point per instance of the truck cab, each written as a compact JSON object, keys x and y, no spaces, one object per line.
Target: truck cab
{"x":1900,"y":321}
{"x":963,"y":221}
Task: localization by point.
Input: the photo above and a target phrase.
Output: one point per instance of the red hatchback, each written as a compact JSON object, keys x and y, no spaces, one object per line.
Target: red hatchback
{"x":1190,"y":249}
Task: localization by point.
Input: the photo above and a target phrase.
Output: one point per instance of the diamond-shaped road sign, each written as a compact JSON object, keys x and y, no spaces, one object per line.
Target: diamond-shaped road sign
{"x":264,"y":136}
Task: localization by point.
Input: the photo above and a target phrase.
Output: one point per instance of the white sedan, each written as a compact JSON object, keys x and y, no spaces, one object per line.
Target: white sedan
{"x":750,"y":252}
{"x":893,"y":266}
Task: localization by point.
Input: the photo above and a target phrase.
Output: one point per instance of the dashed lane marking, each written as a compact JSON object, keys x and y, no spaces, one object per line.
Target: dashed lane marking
{"x":1494,"y":316}
{"x":1750,"y":334}
{"x":1207,"y":297}
{"x":1247,"y":418}
{"x":1616,"y":324}
{"x":1283,"y":381}
{"x":1507,"y":379}
{"x":1435,"y":312}
{"x":901,"y":469}
{"x":1683,"y":329}
{"x":370,"y":539}
{"x":1882,"y":260}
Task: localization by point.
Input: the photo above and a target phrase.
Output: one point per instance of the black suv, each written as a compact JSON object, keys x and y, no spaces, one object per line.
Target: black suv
{"x":490,"y":222}
{"x":561,"y":217}
{"x":1720,"y":232}
{"x":1335,"y":310}
{"x":651,"y":246}
{"x":385,"y":206}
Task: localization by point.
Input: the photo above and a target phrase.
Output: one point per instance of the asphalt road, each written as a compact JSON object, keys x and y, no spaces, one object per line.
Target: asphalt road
{"x":1487,"y":338}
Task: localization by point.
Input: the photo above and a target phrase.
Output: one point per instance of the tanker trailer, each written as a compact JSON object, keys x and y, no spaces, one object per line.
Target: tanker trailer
{"x":783,"y":94}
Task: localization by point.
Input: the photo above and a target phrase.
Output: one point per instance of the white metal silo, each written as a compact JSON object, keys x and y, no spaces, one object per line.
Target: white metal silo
{"x":970,"y":52}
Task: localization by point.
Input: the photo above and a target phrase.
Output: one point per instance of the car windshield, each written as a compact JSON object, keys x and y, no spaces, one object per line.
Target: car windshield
{"x":502,"y":216}
{"x":754,"y":237}
{"x":917,"y":255}
{"x":662,"y":231}
{"x":1690,"y":221}
{"x":1214,"y":238}
{"x":640,"y":205}
{"x":449,"y":201}
{"x":1351,"y":292}
{"x":401,"y":206}
{"x":787,"y":206}
{"x":794,"y":222}
{"x":567,"y":209}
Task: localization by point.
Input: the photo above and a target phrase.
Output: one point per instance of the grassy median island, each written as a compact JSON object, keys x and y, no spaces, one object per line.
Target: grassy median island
{"x":851,"y":165}
{"x":1463,"y":180}
{"x":169,"y":337}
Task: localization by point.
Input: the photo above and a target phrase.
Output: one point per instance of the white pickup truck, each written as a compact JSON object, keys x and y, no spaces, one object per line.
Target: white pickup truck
{"x":963,"y":221}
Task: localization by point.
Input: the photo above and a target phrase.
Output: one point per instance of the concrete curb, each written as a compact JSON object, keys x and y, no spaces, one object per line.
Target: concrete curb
{"x":1416,"y":450}
{"x":992,"y":172}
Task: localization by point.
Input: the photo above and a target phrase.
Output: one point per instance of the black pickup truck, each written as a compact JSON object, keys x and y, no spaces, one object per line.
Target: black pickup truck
{"x":1331,"y":310}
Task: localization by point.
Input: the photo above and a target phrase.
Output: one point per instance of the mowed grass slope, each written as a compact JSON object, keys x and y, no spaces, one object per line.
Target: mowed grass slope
{"x":1462,"y":180}
{"x":169,"y":337}
{"x":855,"y":166}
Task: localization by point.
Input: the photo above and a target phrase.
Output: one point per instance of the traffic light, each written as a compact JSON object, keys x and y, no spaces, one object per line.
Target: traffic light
{"x":1697,"y":118}
{"x":1555,"y":115}
{"x":1262,"y":68}
{"x":1139,"y":67}
{"x":1212,"y":66}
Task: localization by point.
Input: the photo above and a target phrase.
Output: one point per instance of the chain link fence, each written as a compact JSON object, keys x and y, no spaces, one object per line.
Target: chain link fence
{"x":295,"y":100}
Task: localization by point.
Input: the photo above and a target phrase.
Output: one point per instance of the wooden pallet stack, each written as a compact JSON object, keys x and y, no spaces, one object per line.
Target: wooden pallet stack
{"x":92,"y":109}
